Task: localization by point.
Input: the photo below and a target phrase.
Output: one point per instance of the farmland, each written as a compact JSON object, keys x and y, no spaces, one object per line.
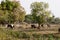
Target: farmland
{"x":37,"y":24}
{"x":30,"y":34}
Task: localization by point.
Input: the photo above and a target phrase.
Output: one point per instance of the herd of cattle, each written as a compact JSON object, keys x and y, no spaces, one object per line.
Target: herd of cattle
{"x":12,"y":26}
{"x":32,"y":26}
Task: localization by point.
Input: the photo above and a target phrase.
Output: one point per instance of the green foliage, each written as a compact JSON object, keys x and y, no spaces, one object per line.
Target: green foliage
{"x":36,"y":35}
{"x":40,"y":19}
{"x":25,"y":35}
{"x":18,"y":34}
{"x":50,"y":37}
{"x":40,"y":12}
{"x":53,"y":20}
{"x":11,"y":11}
{"x":8,"y":34}
{"x":28,"y":18}
{"x":19,"y":13}
{"x":10,"y":17}
{"x":56,"y":21}
{"x":50,"y":19}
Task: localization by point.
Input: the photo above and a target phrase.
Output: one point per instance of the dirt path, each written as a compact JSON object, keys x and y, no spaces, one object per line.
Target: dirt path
{"x":44,"y":32}
{"x":35,"y":31}
{"x":38,"y":31}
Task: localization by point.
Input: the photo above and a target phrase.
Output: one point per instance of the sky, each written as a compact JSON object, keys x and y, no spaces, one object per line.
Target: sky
{"x":53,"y":5}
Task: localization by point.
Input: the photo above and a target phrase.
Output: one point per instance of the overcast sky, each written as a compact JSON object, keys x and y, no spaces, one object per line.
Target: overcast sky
{"x":54,"y":5}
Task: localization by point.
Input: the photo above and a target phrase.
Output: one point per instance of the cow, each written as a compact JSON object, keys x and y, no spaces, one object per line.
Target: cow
{"x":10,"y":26}
{"x":33,"y":26}
{"x":59,"y":30}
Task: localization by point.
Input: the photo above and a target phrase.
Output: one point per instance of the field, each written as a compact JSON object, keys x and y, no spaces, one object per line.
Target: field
{"x":45,"y":33}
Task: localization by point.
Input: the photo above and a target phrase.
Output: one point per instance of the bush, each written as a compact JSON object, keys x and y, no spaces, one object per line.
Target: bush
{"x":36,"y":35}
{"x":50,"y":37}
{"x":24,"y":35}
{"x":19,"y":34}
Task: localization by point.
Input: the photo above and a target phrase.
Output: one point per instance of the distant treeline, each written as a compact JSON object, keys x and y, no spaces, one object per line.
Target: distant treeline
{"x":12,"y":11}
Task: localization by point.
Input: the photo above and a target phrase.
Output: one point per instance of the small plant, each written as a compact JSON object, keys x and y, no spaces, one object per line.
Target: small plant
{"x":50,"y":37}
{"x":58,"y":38}
{"x":24,"y":35}
{"x":44,"y":37}
{"x":36,"y":35}
{"x":20,"y":35}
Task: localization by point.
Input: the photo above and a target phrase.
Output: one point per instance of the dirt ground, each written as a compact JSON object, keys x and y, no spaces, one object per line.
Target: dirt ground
{"x":43,"y":30}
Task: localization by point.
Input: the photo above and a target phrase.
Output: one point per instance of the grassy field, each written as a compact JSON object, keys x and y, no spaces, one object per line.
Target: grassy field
{"x":11,"y":34}
{"x":45,"y":33}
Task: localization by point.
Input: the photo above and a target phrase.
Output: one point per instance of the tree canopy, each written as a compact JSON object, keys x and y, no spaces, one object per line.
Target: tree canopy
{"x":40,"y":12}
{"x":11,"y":11}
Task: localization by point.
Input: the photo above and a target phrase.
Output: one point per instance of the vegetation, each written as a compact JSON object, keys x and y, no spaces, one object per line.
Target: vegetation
{"x":8,"y":34}
{"x":40,"y":12}
{"x":11,"y":11}
{"x":29,"y":18}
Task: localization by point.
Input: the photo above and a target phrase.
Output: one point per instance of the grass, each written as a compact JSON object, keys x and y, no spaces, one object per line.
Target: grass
{"x":10,"y":34}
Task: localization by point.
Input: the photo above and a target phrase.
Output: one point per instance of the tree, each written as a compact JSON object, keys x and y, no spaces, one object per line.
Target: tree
{"x":40,"y":12}
{"x":19,"y":13}
{"x":9,"y":17}
{"x":51,"y":19}
{"x":28,"y":18}
{"x":11,"y":11}
{"x":57,"y":20}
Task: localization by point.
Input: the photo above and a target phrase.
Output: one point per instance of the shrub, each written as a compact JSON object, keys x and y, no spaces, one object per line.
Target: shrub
{"x":19,"y":34}
{"x":24,"y":35}
{"x":36,"y":35}
{"x":50,"y":37}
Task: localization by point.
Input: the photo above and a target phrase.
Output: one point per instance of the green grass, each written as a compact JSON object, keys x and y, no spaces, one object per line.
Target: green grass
{"x":5,"y":36}
{"x":10,"y":34}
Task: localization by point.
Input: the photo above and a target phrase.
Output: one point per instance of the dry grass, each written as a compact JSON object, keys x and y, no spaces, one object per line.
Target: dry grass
{"x":44,"y":33}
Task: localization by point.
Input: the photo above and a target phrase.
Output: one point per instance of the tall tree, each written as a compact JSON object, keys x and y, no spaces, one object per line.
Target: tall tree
{"x":11,"y":11}
{"x":19,"y":13}
{"x":40,"y":12}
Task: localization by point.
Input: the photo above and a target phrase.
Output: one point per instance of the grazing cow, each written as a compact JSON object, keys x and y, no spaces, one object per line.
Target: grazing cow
{"x":33,"y":26}
{"x":59,"y":30}
{"x":10,"y":26}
